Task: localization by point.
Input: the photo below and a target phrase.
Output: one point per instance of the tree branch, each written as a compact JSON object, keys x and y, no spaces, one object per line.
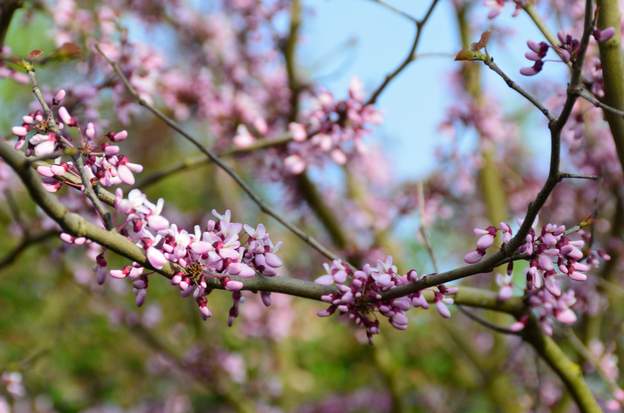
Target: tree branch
{"x":506,"y":253}
{"x":305,"y":186}
{"x":588,"y":96}
{"x":76,"y":225}
{"x":489,"y":62}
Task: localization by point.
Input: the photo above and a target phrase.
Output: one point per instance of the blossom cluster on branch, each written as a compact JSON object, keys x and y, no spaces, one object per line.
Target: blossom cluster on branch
{"x":359,"y":294}
{"x":230,"y":76}
{"x":553,"y":256}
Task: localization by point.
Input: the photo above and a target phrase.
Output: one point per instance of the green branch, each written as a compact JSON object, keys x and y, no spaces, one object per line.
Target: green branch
{"x":570,"y":373}
{"x":613,"y":71}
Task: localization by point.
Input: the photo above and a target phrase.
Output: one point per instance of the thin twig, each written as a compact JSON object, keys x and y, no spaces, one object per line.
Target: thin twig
{"x":396,"y":10}
{"x":489,"y":62}
{"x":409,"y":58}
{"x":14,"y":210}
{"x":423,"y":233}
{"x":214,"y":158}
{"x":195,"y":162}
{"x":106,"y":216}
{"x":585,"y":94}
{"x":423,"y":226}
{"x":25,"y":243}
{"x":565,"y":175}
{"x":485,"y":323}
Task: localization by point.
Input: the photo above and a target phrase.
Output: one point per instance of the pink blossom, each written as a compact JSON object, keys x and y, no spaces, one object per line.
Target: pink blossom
{"x":19,"y":131}
{"x":58,"y":98}
{"x":156,"y":258}
{"x":294,"y":164}
{"x":243,"y":138}
{"x":119,"y":136}
{"x":359,"y":292}
{"x":473,"y":257}
{"x":604,"y":34}
{"x":66,"y":117}
{"x":297,"y":131}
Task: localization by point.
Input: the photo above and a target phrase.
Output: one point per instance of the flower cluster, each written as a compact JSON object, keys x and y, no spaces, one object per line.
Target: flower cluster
{"x":550,"y":253}
{"x":214,"y":254}
{"x":359,"y":294}
{"x":333,"y":128}
{"x":567,"y":49}
{"x":103,"y":161}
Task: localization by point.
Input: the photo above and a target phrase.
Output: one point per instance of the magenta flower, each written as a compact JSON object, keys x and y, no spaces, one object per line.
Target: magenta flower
{"x":604,"y":34}
{"x":537,"y":52}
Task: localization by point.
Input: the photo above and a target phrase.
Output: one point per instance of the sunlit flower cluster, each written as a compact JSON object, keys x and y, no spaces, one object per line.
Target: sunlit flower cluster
{"x":214,"y":253}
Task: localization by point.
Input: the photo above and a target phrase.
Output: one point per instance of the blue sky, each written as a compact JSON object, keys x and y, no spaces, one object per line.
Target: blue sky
{"x":414,"y":104}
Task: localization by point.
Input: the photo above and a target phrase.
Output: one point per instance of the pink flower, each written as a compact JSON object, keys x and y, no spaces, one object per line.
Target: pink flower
{"x":243,"y":138}
{"x":473,"y":257}
{"x":566,"y":316}
{"x":536,"y":54}
{"x":442,"y":309}
{"x":156,"y":258}
{"x":485,"y":241}
{"x":58,"y":98}
{"x":325,"y":280}
{"x":297,"y":131}
{"x":119,"y":136}
{"x":157,"y":222}
{"x":90,"y":130}
{"x":294,"y":164}
{"x":359,"y":292}
{"x":604,"y":34}
{"x":43,"y":144}
{"x":233,"y":285}
{"x":495,"y":6}
{"x":66,"y":117}
{"x":20,"y":131}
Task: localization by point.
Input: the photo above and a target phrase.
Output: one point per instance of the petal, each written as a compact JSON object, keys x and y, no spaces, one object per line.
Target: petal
{"x":157,"y":222}
{"x":45,"y":148}
{"x":125,"y":174}
{"x":156,"y":258}
{"x":325,"y":280}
